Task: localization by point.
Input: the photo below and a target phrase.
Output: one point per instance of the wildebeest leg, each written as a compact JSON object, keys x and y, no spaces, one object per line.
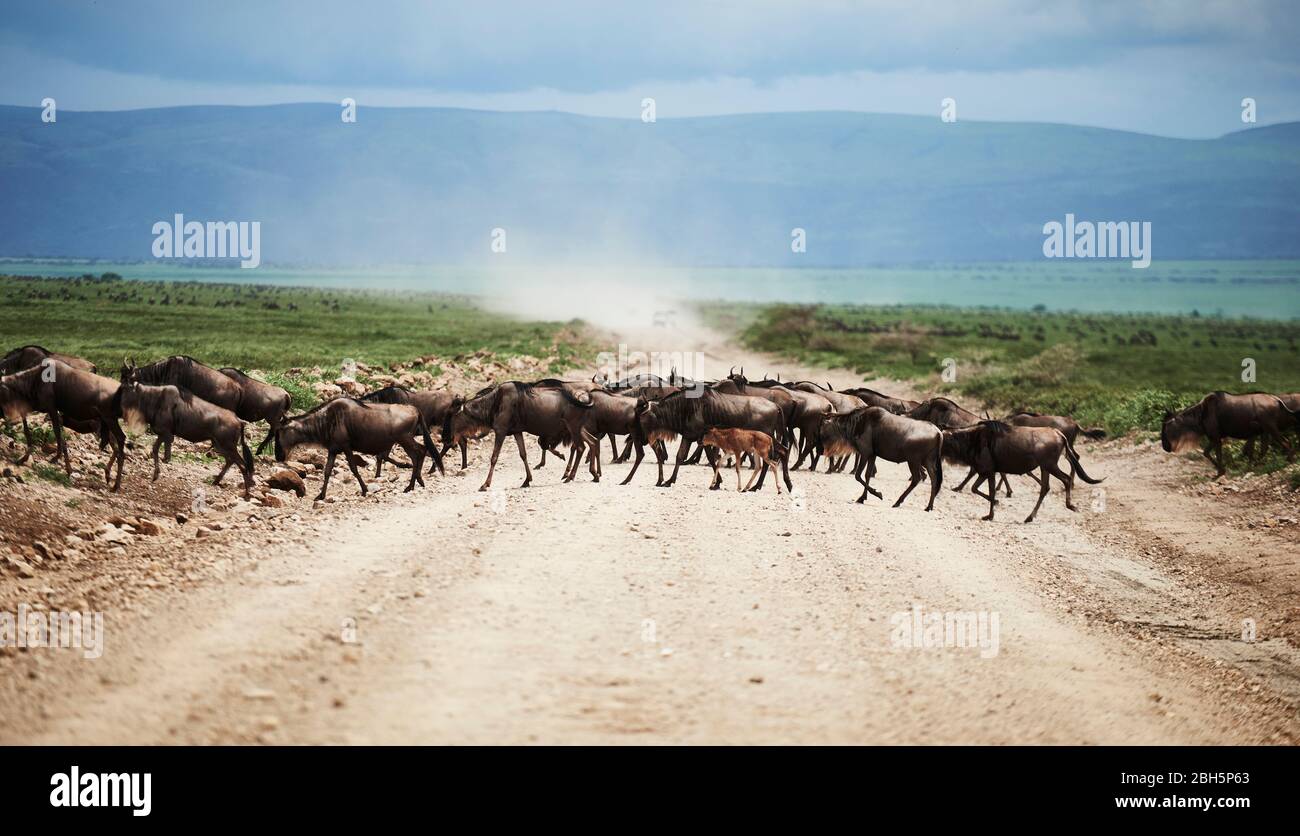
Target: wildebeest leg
{"x":1007,"y":484}
{"x":1045,"y":485}
{"x":717,"y":476}
{"x":541,"y":463}
{"x":969,"y":474}
{"x":416,"y":454}
{"x":329,"y":471}
{"x":464,"y":454}
{"x":1217,"y":460}
{"x":1067,"y":479}
{"x":859,"y":467}
{"x":640,"y":454}
{"x":627,"y":451}
{"x":871,"y":471}
{"x":27,"y":434}
{"x":523,"y":455}
{"x":714,"y":456}
{"x":352,"y":465}
{"x":119,"y":444}
{"x":497,"y":440}
{"x":935,"y":471}
{"x":681,"y":456}
{"x":1274,"y":435}
{"x":157,"y":469}
{"x":695,"y":457}
{"x":917,"y":470}
{"x":975,"y":489}
{"x":61,"y":444}
{"x":593,"y":458}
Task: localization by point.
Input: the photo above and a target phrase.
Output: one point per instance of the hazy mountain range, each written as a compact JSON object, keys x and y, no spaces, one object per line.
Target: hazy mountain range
{"x":430,"y":185}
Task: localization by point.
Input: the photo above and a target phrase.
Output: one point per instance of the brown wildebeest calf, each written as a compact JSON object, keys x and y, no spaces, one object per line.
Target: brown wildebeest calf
{"x":347,"y":426}
{"x":872,"y":432}
{"x":71,"y":397}
{"x":736,"y":443}
{"x":1220,"y":415}
{"x":168,"y":412}
{"x":992,"y":447}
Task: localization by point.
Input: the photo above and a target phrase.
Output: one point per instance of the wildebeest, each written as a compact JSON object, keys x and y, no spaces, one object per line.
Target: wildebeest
{"x":739,"y":443}
{"x":842,"y":403}
{"x":251,"y":400}
{"x":1069,"y":427}
{"x":30,"y":356}
{"x":347,"y":426}
{"x":613,"y":414}
{"x":433,"y":407}
{"x":871,"y":432}
{"x":1221,"y":415}
{"x":898,"y":406}
{"x":169,"y":411}
{"x":691,"y":417}
{"x":72,"y":397}
{"x":993,"y":447}
{"x":260,"y":401}
{"x":945,"y":414}
{"x":552,"y":413}
{"x":801,"y":410}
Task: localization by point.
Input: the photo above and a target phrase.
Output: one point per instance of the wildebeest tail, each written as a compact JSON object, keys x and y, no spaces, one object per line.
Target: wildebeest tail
{"x":938,"y":465}
{"x":430,"y":447}
{"x":243,"y":446}
{"x":1074,"y":461}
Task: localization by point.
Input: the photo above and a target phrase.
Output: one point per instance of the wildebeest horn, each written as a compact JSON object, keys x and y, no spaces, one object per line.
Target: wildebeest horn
{"x":733,"y":371}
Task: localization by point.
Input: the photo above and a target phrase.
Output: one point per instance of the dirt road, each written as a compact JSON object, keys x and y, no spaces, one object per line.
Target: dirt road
{"x":606,"y":614}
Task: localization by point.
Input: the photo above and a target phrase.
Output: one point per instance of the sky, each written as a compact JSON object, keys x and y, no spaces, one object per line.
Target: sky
{"x":1169,"y":67}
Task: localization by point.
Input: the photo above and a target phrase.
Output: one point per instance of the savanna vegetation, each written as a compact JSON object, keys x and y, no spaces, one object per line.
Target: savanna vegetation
{"x":1118,"y":371}
{"x":268,"y":328}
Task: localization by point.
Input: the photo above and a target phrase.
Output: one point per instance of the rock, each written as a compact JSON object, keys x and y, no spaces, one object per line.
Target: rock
{"x":182,"y":518}
{"x":301,"y":468}
{"x":268,"y":500}
{"x":19,"y":567}
{"x":259,"y":694}
{"x":112,"y":534}
{"x":286,"y":480}
{"x":43,"y":550}
{"x":148,"y":527}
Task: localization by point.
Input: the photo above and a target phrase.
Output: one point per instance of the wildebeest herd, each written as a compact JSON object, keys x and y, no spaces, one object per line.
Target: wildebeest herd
{"x":764,"y":422}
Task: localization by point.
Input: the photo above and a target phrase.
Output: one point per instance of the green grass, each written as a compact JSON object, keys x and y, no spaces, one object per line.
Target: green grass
{"x":268,"y":328}
{"x":50,"y":473}
{"x":1118,"y":371}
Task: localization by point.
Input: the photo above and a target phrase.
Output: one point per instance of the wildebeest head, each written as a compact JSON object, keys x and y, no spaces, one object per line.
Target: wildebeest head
{"x":12,"y":401}
{"x":650,"y":423}
{"x":834,"y":435}
{"x":127,"y":402}
{"x":130,"y":371}
{"x":1179,"y":431}
{"x":287,"y":436}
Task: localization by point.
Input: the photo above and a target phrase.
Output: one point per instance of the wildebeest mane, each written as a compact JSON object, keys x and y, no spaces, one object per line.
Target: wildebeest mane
{"x":389,"y":394}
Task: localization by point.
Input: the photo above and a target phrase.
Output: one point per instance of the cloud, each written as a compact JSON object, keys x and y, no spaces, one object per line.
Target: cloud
{"x":1176,"y":68}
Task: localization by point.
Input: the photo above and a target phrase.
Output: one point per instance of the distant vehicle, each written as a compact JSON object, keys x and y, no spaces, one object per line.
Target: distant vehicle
{"x":665,"y":319}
